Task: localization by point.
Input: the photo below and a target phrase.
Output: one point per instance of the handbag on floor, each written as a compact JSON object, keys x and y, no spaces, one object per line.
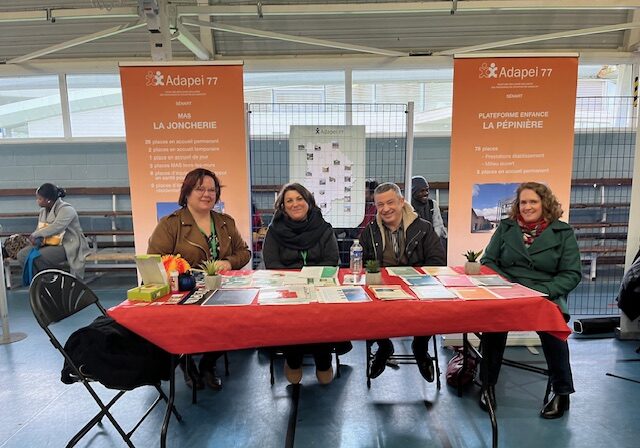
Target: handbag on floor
{"x":457,"y":375}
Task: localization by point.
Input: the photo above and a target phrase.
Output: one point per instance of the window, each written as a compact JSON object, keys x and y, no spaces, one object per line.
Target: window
{"x":30,"y":107}
{"x":95,"y":105}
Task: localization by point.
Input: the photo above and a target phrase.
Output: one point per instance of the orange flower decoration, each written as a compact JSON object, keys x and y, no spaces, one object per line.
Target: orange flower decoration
{"x":175,"y":263}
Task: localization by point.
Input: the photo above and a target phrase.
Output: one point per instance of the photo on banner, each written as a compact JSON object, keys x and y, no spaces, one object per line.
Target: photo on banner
{"x":513,"y":122}
{"x":179,"y":117}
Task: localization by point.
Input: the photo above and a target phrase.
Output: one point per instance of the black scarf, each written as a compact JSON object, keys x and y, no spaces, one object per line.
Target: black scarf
{"x":298,"y":235}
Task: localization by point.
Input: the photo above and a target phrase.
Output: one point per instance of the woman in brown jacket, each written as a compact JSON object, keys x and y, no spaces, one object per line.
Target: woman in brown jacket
{"x":198,"y":233}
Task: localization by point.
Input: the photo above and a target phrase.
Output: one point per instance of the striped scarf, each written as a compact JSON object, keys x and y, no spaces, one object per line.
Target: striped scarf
{"x":532,"y":230}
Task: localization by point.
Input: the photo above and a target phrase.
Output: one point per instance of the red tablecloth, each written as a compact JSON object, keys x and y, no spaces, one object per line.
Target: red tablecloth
{"x":193,"y":329}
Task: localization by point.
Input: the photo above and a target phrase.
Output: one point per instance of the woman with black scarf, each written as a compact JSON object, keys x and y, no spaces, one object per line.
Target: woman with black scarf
{"x":299,"y":236}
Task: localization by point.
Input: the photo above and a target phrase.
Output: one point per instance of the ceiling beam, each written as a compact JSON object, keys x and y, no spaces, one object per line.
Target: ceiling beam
{"x":632,"y":36}
{"x":77,"y":41}
{"x":539,"y":38}
{"x":406,"y":7}
{"x":187,"y":39}
{"x":291,"y":38}
{"x":444,"y":7}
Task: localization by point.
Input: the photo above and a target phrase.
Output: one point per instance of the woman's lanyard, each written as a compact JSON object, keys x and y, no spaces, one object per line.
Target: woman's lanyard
{"x":212,"y":241}
{"x":303,"y":253}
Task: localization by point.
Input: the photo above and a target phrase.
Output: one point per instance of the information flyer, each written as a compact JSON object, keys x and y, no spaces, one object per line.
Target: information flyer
{"x":178,"y":118}
{"x":513,"y":122}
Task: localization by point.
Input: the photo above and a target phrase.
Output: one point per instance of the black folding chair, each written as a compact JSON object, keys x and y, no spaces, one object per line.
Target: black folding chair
{"x":56,"y":295}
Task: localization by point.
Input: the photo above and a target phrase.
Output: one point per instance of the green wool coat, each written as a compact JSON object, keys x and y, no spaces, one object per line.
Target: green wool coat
{"x":550,"y":265}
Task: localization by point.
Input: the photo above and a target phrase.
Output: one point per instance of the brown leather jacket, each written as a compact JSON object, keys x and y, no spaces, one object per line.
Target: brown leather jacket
{"x":179,"y":234}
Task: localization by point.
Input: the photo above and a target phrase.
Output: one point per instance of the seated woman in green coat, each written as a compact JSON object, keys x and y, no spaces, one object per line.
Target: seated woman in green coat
{"x":533,"y":248}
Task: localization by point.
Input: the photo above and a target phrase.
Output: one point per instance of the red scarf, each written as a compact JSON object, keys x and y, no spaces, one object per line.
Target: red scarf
{"x":531,"y":230}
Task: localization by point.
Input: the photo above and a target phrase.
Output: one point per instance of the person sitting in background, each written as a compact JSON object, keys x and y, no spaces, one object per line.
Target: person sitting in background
{"x":58,"y":238}
{"x":399,"y":237}
{"x":534,"y":248}
{"x":198,"y":233}
{"x":299,"y":236}
{"x":425,"y":207}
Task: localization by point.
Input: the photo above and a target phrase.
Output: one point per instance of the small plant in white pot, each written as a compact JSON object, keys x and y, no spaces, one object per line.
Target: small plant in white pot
{"x":212,"y":280}
{"x":472,"y":266}
{"x":373,"y":275}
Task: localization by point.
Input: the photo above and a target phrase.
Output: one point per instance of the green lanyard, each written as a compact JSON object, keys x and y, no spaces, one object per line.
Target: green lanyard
{"x":303,"y":253}
{"x":212,"y":240}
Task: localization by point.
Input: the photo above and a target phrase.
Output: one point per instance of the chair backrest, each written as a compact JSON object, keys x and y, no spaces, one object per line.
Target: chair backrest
{"x":55,"y":295}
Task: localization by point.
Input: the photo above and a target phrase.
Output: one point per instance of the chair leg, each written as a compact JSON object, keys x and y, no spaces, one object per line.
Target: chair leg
{"x":271,"y":356}
{"x":369,"y":357}
{"x":436,"y":361}
{"x":337,"y":366}
{"x":226,"y":364}
{"x":95,"y":420}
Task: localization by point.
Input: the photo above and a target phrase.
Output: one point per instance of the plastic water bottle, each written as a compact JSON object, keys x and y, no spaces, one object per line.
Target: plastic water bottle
{"x":355,"y":260}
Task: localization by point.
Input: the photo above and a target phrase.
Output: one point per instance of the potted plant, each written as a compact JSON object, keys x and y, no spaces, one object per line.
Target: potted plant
{"x":373,"y":275}
{"x":472,"y":266}
{"x":212,"y":280}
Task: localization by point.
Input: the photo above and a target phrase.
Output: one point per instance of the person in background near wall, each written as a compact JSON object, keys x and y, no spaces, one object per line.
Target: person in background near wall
{"x":399,"y":237}
{"x":198,"y":233}
{"x":59,"y":237}
{"x":534,"y":248}
{"x":369,"y":206}
{"x":427,"y":208}
{"x":299,"y":236}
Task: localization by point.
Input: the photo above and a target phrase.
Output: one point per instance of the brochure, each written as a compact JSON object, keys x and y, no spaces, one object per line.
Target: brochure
{"x":243,"y":296}
{"x":390,"y":292}
{"x":403,"y":271}
{"x":435,"y":292}
{"x":455,"y":280}
{"x":490,"y":280}
{"x":515,"y":291}
{"x":423,"y":280}
{"x":439,"y":270}
{"x":342,"y":294}
{"x":350,"y":279}
{"x":475,"y":293}
{"x":240,"y":281}
{"x":291,"y":295}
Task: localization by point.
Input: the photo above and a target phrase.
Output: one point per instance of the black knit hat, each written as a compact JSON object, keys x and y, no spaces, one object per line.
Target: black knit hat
{"x":418,"y":183}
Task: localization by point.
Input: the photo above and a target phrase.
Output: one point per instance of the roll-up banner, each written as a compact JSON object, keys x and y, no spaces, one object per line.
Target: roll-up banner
{"x":179,"y":117}
{"x":513,"y":122}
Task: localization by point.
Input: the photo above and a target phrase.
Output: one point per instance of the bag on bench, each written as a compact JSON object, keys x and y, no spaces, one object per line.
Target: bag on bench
{"x":14,"y":244}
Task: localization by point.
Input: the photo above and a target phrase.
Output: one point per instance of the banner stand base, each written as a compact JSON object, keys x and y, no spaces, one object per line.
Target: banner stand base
{"x":12,"y":337}
{"x":627,"y":335}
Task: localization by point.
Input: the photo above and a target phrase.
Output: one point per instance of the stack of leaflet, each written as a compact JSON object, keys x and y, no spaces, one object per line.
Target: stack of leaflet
{"x":390,"y":292}
{"x":320,"y":275}
{"x":341,"y":294}
{"x":287,"y":295}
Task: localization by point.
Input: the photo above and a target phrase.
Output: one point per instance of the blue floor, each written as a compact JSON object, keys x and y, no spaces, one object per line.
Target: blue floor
{"x":400,"y":410}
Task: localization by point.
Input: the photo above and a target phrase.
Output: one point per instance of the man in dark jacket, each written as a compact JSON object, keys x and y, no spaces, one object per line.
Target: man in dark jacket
{"x":398,"y":237}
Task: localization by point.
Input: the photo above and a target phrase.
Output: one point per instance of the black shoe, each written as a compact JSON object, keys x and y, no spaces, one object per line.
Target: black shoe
{"x":210,"y":378}
{"x":555,"y":407}
{"x":488,"y":393}
{"x":425,"y":365}
{"x":191,"y":374}
{"x":379,"y":363}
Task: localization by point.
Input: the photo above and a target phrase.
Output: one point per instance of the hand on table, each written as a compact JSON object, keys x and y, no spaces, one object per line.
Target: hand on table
{"x":223,"y":265}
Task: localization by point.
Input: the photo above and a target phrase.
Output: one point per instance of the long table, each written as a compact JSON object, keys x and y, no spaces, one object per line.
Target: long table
{"x":188,"y":329}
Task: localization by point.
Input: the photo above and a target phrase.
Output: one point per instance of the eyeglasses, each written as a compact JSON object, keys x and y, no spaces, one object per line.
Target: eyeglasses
{"x":201,"y":191}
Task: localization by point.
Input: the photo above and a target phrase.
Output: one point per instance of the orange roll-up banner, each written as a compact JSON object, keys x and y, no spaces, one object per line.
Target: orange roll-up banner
{"x":513,"y":122}
{"x":178,"y":118}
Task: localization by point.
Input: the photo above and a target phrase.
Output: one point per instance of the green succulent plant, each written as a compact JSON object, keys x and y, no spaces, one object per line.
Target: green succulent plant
{"x":473,"y":256}
{"x":372,"y":266}
{"x":208,"y":267}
